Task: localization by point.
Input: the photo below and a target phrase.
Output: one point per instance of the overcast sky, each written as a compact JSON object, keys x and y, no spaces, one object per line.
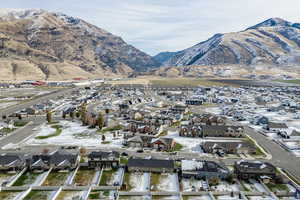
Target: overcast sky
{"x":168,"y":25}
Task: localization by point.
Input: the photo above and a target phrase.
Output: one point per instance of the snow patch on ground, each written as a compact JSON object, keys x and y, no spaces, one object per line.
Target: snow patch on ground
{"x":168,"y":182}
{"x":140,"y":181}
{"x":75,"y":135}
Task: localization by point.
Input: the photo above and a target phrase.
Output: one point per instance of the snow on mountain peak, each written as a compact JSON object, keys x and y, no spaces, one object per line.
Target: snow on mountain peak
{"x":8,"y":13}
{"x":272,"y":22}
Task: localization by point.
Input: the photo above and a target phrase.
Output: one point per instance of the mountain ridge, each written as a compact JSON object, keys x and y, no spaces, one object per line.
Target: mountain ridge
{"x":45,"y":45}
{"x":274,"y":41}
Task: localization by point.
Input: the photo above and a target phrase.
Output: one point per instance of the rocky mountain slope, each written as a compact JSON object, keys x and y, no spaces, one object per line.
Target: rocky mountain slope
{"x":164,"y":56}
{"x":35,"y":44}
{"x":274,"y":41}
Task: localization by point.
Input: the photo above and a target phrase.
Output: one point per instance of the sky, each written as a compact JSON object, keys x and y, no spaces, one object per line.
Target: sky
{"x":168,"y":25}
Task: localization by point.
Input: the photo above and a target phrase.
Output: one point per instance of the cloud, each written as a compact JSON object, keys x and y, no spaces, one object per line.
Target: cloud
{"x":168,"y":25}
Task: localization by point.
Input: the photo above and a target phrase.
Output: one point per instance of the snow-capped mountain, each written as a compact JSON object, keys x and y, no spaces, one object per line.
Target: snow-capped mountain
{"x":274,"y":41}
{"x":36,"y":44}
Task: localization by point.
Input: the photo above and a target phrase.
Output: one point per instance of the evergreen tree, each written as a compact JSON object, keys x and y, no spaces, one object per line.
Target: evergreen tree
{"x":103,"y":138}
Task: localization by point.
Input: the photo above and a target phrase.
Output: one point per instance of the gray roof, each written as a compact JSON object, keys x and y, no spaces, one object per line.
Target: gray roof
{"x":150,"y":163}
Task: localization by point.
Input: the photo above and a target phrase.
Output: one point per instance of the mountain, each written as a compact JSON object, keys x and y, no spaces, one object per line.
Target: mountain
{"x":163,"y":56}
{"x":36,"y":44}
{"x":274,"y":42}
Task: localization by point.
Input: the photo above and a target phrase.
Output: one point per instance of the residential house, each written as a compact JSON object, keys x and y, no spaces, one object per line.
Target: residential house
{"x":194,"y":102}
{"x":141,"y":127}
{"x":11,"y":161}
{"x":178,"y":109}
{"x":254,"y":169}
{"x":57,"y":160}
{"x":222,"y":131}
{"x":150,"y":165}
{"x":163,"y":144}
{"x":190,"y":131}
{"x":276,"y":127}
{"x":260,"y":120}
{"x":290,"y":134}
{"x":139,"y":141}
{"x":207,"y":119}
{"x":100,"y":159}
{"x":224,"y":147}
{"x":30,"y":111}
{"x":203,"y":169}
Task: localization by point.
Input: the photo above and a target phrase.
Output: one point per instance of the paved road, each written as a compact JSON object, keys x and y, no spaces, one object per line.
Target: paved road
{"x":25,"y":132}
{"x":280,"y":157}
{"x":21,"y":106}
{"x":19,"y":135}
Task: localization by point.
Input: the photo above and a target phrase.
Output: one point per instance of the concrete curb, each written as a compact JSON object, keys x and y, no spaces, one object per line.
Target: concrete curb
{"x":268,"y":155}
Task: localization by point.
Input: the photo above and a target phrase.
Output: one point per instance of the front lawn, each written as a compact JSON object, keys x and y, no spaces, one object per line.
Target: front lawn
{"x":20,"y":123}
{"x":177,"y":147}
{"x":110,"y":129}
{"x":56,"y":133}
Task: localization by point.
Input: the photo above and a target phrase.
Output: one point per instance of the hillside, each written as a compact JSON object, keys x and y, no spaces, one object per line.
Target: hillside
{"x":36,"y":44}
{"x":272,"y":42}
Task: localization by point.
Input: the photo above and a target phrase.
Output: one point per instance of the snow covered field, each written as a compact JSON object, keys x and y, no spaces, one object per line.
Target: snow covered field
{"x":189,"y":185}
{"x":224,"y":186}
{"x":140,"y":181}
{"x":189,"y":144}
{"x":168,"y":182}
{"x":253,"y":185}
{"x":74,"y":134}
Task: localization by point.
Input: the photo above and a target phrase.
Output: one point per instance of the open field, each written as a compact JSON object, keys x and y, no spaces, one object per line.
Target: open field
{"x":165,"y":81}
{"x":293,"y":81}
{"x":184,"y":82}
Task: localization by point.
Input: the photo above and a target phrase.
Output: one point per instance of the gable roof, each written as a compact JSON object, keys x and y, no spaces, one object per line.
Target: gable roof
{"x":277,"y":125}
{"x":150,"y":163}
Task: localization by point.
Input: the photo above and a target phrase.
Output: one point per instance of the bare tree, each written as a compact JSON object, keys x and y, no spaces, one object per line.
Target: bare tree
{"x":49,"y":116}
